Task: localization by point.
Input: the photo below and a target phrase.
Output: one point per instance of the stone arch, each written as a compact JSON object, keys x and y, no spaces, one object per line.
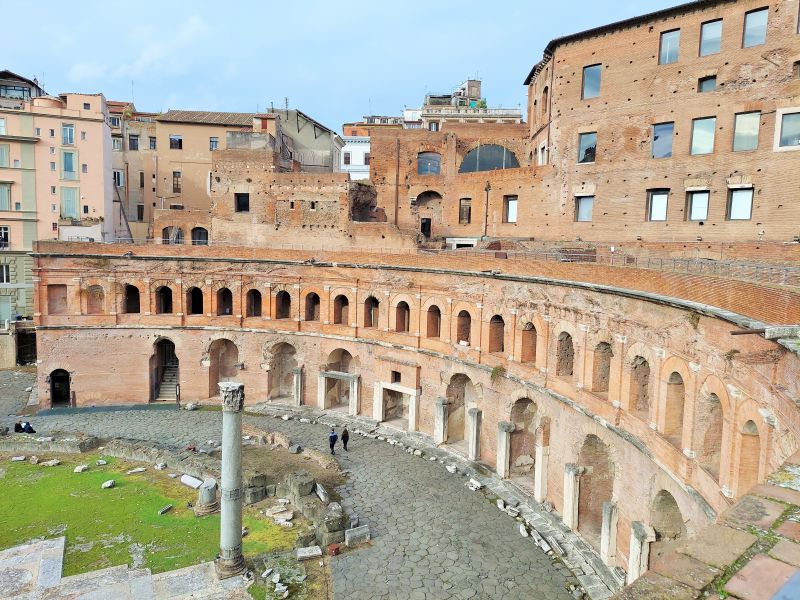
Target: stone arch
{"x":253,"y":301}
{"x":666,"y":518}
{"x":710,"y":414}
{"x":164,"y":370}
{"x":164,"y":300}
{"x":402,"y":317}
{"x":224,"y":302}
{"x":497,"y":334}
{"x":283,"y":305}
{"x":523,"y":438}
{"x":601,"y":367}
{"x":223,"y":364}
{"x":488,"y":157}
{"x":372,"y":307}
{"x":342,"y":361}
{"x":337,"y":391}
{"x":461,"y":396}
{"x":313,"y":306}
{"x":596,"y":487}
{"x":674,"y":403}
{"x":282,"y":363}
{"x":194,"y":301}
{"x":749,"y":460}
{"x":95,"y":300}
{"x":172,"y":235}
{"x":131,"y":299}
{"x":199,"y":236}
{"x":463,"y":327}
{"x":565,"y":355}
{"x":529,"y":338}
{"x":433,"y":322}
{"x":60,"y":388}
{"x":341,"y":310}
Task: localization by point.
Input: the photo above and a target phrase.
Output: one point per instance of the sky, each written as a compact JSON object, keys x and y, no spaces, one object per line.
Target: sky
{"x":334,"y":60}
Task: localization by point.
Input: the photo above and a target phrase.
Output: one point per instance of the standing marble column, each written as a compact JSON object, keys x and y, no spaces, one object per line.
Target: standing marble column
{"x":440,"y":421}
{"x":297,"y":386}
{"x":542,"y":457}
{"x":474,"y":429}
{"x":572,"y":491}
{"x":231,"y":560}
{"x":504,"y":431}
{"x":639,"y":553}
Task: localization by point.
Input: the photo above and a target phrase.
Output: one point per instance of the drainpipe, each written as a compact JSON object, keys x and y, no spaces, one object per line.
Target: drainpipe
{"x":486,"y":189}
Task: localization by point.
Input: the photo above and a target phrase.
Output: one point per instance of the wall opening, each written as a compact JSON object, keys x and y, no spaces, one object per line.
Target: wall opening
{"x":497,"y":334}
{"x":164,"y":300}
{"x":199,"y":236}
{"x":57,"y":299}
{"x":709,"y":421}
{"x":459,"y":393}
{"x":371,"y":307}
{"x":312,"y":306}
{"x":164,"y":371}
{"x":194,"y":301}
{"x":433,"y":326}
{"x":283,"y":305}
{"x":282,"y":363}
{"x":337,"y":391}
{"x":523,"y":438}
{"x":95,"y":300}
{"x":172,"y":235}
{"x":666,"y":518}
{"x":463,"y":327}
{"x":596,"y":487}
{"x":749,"y":457}
{"x":253,"y":303}
{"x":640,"y":389}
{"x":341,"y":310}
{"x":132,"y":299}
{"x":224,"y":359}
{"x":224,"y":302}
{"x":673,"y":418}
{"x":528,"y":351}
{"x":402,"y":314}
{"x":60,"y":393}
{"x":601,"y":367}
{"x":565,"y":355}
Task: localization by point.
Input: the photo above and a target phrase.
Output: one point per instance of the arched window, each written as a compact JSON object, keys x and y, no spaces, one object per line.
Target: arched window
{"x":528,"y":343}
{"x":253,"y":303}
{"x":172,"y":235}
{"x":199,"y":236}
{"x":488,"y":157}
{"x":371,"y":308}
{"x":95,"y":299}
{"x":565,"y":355}
{"x":194,"y":301}
{"x":434,"y":324}
{"x":402,"y":315}
{"x":709,"y":422}
{"x":545,"y":93}
{"x":283,"y":305}
{"x":341,"y":310}
{"x":164,"y":300}
{"x":429,"y":163}
{"x":497,"y":334}
{"x":224,"y":302}
{"x":749,"y":457}
{"x":463,"y":327}
{"x":132,"y":299}
{"x":640,"y":389}
{"x":312,"y":306}
{"x":601,"y":367}
{"x":673,"y":422}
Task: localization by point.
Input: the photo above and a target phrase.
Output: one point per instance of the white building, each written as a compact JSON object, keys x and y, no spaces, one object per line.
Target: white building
{"x":355,"y":156}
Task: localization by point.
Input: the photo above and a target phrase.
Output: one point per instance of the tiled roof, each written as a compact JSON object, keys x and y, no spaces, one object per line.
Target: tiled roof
{"x":203,"y":117}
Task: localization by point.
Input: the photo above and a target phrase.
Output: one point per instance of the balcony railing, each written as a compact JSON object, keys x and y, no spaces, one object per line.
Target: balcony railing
{"x":461,"y":110}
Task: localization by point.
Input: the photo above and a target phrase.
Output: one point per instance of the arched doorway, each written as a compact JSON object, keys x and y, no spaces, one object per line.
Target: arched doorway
{"x":341,"y":310}
{"x":60,"y":394}
{"x":666,"y":520}
{"x":402,"y":317}
{"x":337,"y":390}
{"x":164,"y":372}
{"x":429,"y":205}
{"x":523,"y":440}
{"x":463,"y":327}
{"x":312,"y":307}
{"x":194,"y":301}
{"x":282,"y":363}
{"x":434,"y":322}
{"x":224,"y":302}
{"x":460,"y":398}
{"x":596,"y":487}
{"x":224,"y":358}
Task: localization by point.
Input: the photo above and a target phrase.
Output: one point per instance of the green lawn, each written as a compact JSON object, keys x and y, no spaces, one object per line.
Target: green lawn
{"x":119,"y":525}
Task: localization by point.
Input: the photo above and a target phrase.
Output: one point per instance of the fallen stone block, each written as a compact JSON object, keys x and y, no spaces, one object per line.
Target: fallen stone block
{"x":353,"y":521}
{"x":80,"y":469}
{"x":136,"y":471}
{"x":451,"y":468}
{"x":192,"y":482}
{"x":500,"y":504}
{"x":322,"y":493}
{"x":325,"y":538}
{"x":276,"y":578}
{"x":101,"y":462}
{"x":160,"y":466}
{"x":270,"y":490}
{"x":512,"y":512}
{"x":18,"y":458}
{"x":51,"y":463}
{"x":48,"y":438}
{"x":285,"y":417}
{"x":309,"y":552}
{"x":305,"y":420}
{"x":475,"y":483}
{"x":356,"y":535}
{"x":300,"y":484}
{"x":108,"y":484}
{"x":522,"y":530}
{"x":254,"y":494}
{"x":417,"y":452}
{"x":432,"y":459}
{"x":34,"y":460}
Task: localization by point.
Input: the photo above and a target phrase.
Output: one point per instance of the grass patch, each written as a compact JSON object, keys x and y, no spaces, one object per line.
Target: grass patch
{"x":104,"y":528}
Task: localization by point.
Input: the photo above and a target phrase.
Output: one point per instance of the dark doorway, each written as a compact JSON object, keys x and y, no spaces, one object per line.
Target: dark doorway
{"x":59,"y":388}
{"x":425,"y":227}
{"x":164,"y":365}
{"x":26,"y":346}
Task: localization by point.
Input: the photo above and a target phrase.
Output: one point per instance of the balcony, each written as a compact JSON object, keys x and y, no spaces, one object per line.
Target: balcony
{"x":463,"y":111}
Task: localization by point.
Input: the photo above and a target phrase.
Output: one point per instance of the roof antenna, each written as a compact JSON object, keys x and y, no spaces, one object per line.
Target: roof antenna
{"x":132,"y":98}
{"x":286,"y":105}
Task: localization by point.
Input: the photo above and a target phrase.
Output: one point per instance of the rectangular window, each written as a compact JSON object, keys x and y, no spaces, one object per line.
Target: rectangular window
{"x":67,"y":135}
{"x":790,"y":130}
{"x":710,"y":37}
{"x":668,"y":52}
{"x":241,"y":202}
{"x":55,"y":226}
{"x":86,"y":209}
{"x":707,"y":84}
{"x":53,"y":190}
{"x":347,"y":158}
{"x":740,"y":204}
{"x":591,"y":81}
{"x":68,"y":161}
{"x":84,"y":168}
{"x":657,"y":205}
{"x":542,"y":155}
{"x":52,"y":150}
{"x":755,"y":28}
{"x":52,"y":166}
{"x":119,"y":177}
{"x":5,"y":196}
{"x":5,"y":273}
{"x":176,"y":182}
{"x":213,"y":143}
{"x":52,"y":133}
{"x":17,"y":206}
{"x":697,"y":206}
{"x":465,"y":211}
{"x":140,"y":212}
{"x":509,"y":209}
{"x":113,"y":121}
{"x":366,"y":159}
{"x":116,"y":143}
{"x":141,"y":179}
{"x":83,"y":136}
{"x":37,"y":131}
{"x":4,"y":241}
{"x":176,"y":142}
{"x":583,"y":208}
{"x":133,"y":142}
{"x":69,"y":203}
{"x":662,"y":140}
{"x":703,"y":135}
{"x":745,"y":131}
{"x":587,"y":147}
{"x":433,"y":126}
{"x":5,"y":151}
{"x":2,"y":127}
{"x":87,"y":106}
{"x":152,"y":143}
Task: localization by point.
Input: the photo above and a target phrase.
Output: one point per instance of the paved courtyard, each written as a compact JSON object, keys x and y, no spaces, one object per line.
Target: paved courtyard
{"x":433,"y":540}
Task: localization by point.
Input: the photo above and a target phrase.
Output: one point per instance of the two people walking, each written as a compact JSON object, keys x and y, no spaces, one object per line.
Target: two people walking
{"x":333,"y":438}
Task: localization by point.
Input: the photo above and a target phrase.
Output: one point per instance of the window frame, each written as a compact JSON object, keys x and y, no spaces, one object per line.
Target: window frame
{"x":177,"y":183}
{"x":238,"y":202}
{"x":213,"y":143}
{"x":599,"y":67}
{"x":153,"y":142}
{"x":67,"y":140}
{"x":702,"y":27}
{"x":347,"y":158}
{"x":758,"y":130}
{"x":692,"y":138}
{"x":702,"y":80}
{"x":578,"y":201}
{"x":507,"y":203}
{"x":780,"y":115}
{"x":661,"y":47}
{"x":731,"y":193}
{"x":653,"y":139}
{"x":649,"y":209}
{"x":464,"y":211}
{"x":764,"y":9}
{"x":133,"y":140}
{"x":690,"y":204}
{"x":5,"y":236}
{"x":116,"y":143}
{"x":5,"y":273}
{"x":580,"y":145}
{"x":175,"y":141}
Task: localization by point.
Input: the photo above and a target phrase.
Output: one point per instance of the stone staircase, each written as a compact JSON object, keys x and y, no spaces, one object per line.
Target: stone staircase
{"x":167,"y":389}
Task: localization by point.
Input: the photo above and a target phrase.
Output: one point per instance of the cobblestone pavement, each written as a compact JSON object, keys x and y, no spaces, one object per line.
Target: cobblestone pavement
{"x":432,"y":539}
{"x":13,"y":396}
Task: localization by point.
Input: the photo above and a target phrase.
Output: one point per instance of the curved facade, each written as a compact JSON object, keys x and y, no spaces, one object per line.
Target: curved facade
{"x":602,"y":403}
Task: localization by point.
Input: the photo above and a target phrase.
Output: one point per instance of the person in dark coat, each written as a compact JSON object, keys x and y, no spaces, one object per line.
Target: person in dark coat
{"x":18,"y":427}
{"x":26,"y":428}
{"x":345,"y":438}
{"x":332,"y":437}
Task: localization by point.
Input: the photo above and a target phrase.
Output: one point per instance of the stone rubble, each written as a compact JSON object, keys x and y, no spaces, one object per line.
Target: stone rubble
{"x":81,"y":469}
{"x":108,"y":484}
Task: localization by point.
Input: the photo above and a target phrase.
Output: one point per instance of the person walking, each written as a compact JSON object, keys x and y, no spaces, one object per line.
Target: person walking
{"x":332,"y":437}
{"x":345,"y":438}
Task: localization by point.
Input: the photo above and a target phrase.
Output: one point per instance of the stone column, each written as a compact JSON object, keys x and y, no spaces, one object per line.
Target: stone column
{"x":297,"y":386}
{"x":413,"y":403}
{"x":639,"y":553}
{"x":608,"y":534}
{"x":231,"y":561}
{"x":504,"y":430}
{"x":377,"y":402}
{"x":353,"y":386}
{"x":321,"y":391}
{"x":542,"y":455}
{"x":207,"y":502}
{"x":440,"y":421}
{"x":474,"y":425}
{"x":572,"y":490}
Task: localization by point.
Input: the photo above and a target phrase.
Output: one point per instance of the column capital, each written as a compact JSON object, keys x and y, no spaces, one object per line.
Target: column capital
{"x":505,"y":426}
{"x":232,"y":395}
{"x":474,"y":412}
{"x":642,"y":532}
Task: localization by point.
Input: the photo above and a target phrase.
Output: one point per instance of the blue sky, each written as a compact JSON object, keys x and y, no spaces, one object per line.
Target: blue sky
{"x":335,"y":60}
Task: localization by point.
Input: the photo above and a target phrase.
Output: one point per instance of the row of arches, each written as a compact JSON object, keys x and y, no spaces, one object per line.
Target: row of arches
{"x":485,"y":157}
{"x":173,"y":234}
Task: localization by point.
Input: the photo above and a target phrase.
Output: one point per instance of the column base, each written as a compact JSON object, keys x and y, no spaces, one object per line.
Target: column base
{"x":227,"y":568}
{"x":201,"y":510}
